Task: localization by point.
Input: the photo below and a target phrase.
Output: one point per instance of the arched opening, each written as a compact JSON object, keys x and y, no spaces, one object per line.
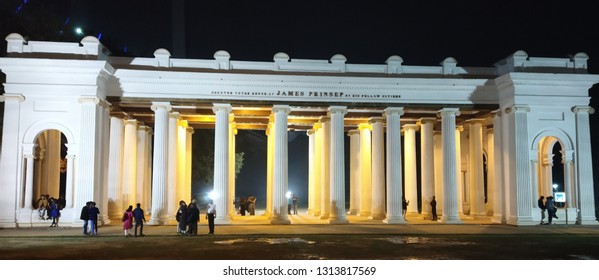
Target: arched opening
{"x":551,"y":171}
{"x":50,"y":169}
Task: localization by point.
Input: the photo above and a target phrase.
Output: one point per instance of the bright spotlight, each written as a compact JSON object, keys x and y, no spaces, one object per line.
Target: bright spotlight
{"x":212,"y":195}
{"x":78,"y":31}
{"x":555,"y":186}
{"x":288,"y":195}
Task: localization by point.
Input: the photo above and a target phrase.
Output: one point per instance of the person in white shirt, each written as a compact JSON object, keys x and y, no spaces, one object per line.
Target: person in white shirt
{"x":210,"y":215}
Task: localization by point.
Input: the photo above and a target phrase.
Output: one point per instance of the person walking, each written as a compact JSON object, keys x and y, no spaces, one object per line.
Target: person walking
{"x":193,"y":216}
{"x":128,"y":221}
{"x":94,"y":212}
{"x":182,"y":217}
{"x":211,"y":215}
{"x":433,"y":208}
{"x":139,"y":218}
{"x":295,"y":199}
{"x":85,"y":216}
{"x":550,"y":206}
{"x":541,"y":205}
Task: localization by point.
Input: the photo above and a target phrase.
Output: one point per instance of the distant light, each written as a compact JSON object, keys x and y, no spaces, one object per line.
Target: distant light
{"x":99,"y":36}
{"x":213,"y":195}
{"x":288,"y":195}
{"x":78,"y":31}
{"x":555,"y":186}
{"x":125,"y":50}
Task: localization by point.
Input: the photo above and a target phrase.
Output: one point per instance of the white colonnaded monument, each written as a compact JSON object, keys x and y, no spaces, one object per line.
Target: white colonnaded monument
{"x":118,"y":130}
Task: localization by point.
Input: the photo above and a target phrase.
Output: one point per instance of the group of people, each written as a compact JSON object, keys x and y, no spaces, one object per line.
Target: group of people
{"x":89,"y":215}
{"x":433,"y":203}
{"x":188,"y":217}
{"x":49,"y":208}
{"x":549,"y":206}
{"x":133,"y":217}
{"x":243,"y":205}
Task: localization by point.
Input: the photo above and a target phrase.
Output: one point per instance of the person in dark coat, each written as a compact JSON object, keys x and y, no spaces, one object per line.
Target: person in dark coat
{"x":182,"y":217}
{"x":139,"y":218}
{"x":434,"y":208}
{"x":193,"y":215}
{"x":54,"y":213}
{"x":541,"y":205}
{"x":85,"y":216}
{"x":242,"y":206}
{"x":94,"y":212}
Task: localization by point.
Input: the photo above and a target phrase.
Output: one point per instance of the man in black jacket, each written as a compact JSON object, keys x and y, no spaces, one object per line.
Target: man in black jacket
{"x":193,"y":215}
{"x":85,"y":216}
{"x":542,"y":207}
{"x":139,"y":218}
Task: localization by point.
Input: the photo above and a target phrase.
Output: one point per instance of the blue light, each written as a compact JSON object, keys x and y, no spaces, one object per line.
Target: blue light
{"x":19,"y":8}
{"x":125,"y":50}
{"x":99,"y":36}
{"x":67,"y":21}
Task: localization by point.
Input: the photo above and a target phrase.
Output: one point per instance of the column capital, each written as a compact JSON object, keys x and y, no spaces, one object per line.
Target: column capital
{"x":363,"y":126}
{"x":517,"y":108}
{"x":567,"y":155}
{"x":533,"y":155}
{"x":338,"y":110}
{"x":221,"y":107}
{"x":583,"y":109}
{"x":190,"y":129}
{"x":414,"y":127}
{"x":144,"y":128}
{"x":324,"y":119}
{"x":422,"y":121}
{"x":476,"y":121}
{"x":374,"y":120}
{"x":393,"y":110}
{"x":161,"y":106}
{"x":29,"y":150}
{"x":449,"y":112}
{"x":12,"y":97}
{"x":281,"y":108}
{"x":317,"y":126}
{"x":310,"y":132}
{"x":182,"y":123}
{"x":174,"y":115}
{"x":495,"y":114}
{"x":353,"y":132}
{"x":89,"y":99}
{"x":459,"y":128}
{"x":130,"y":122}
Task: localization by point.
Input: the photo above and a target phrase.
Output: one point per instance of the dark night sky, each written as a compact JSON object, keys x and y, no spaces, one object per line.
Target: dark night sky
{"x":475,"y":33}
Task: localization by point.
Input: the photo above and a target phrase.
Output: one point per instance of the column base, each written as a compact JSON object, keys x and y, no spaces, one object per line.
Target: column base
{"x":324,"y":216}
{"x":352,"y":212}
{"x":498,"y":219}
{"x":377,"y":216}
{"x":316,"y":213}
{"x":222,"y":221}
{"x":158,"y":221}
{"x":395,"y":220}
{"x":280,"y":221}
{"x":338,"y":221}
{"x":589,"y":221}
{"x":521,"y":221}
{"x":451,"y":220}
{"x":364,"y":214}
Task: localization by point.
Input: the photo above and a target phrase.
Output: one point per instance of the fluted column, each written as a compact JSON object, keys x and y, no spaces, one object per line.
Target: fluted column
{"x":160,"y":166}
{"x":188,"y":159}
{"x":450,"y":194}
{"x":365,"y":170}
{"x":8,"y":156}
{"x":115,"y":169}
{"x":318,"y":172}
{"x":499,"y":193}
{"x":534,"y":165}
{"x":438,"y":143}
{"x":378,"y":169}
{"x":279,"y":215}
{"x":232,"y":133}
{"x":394,"y":184}
{"x":28,"y":156}
{"x":477,"y":194}
{"x":584,"y":165}
{"x":172,"y":156}
{"x":491,"y":172}
{"x":70,"y":180}
{"x":427,"y":165}
{"x":354,"y":172}
{"x":269,"y":166}
{"x":337,"y":166}
{"x":521,"y":192}
{"x":325,"y":208}
{"x":37,"y":181}
{"x":311,"y":139}
{"x":129,"y":164}
{"x":221,"y":162}
{"x":460,"y":177}
{"x":148,"y":174}
{"x":142,"y":138}
{"x":567,"y":157}
{"x":410,"y":167}
{"x":183,"y":191}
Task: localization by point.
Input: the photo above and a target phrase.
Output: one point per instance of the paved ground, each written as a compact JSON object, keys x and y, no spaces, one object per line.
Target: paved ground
{"x":252,"y":238}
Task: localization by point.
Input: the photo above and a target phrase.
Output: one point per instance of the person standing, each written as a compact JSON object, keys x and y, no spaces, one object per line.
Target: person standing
{"x":94,"y":212}
{"x":289,"y":203}
{"x":54,"y":212}
{"x":252,"y":205}
{"x":85,"y":216}
{"x":242,"y":206}
{"x":210,"y":215}
{"x":182,"y":214}
{"x":139,"y":218}
{"x":295,"y":199}
{"x":433,"y":208}
{"x":193,"y":215}
{"x":541,"y":205}
{"x":128,"y":221}
{"x":550,"y":207}
{"x":404,"y":207}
